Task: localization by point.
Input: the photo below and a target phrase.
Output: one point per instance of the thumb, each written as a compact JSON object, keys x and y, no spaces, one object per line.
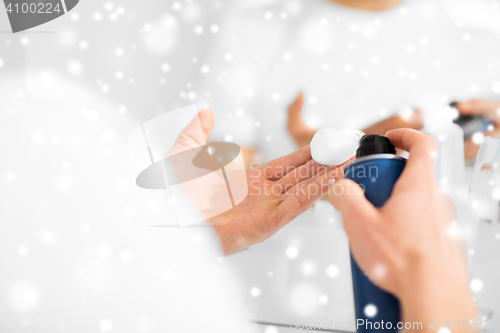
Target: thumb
{"x":207,"y":120}
{"x":196,"y":133}
{"x":349,"y":198}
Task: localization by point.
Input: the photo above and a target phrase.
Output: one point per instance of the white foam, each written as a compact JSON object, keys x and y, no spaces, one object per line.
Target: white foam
{"x":333,"y":147}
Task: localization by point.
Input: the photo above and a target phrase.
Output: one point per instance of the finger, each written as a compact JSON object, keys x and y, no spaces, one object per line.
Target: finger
{"x":279,"y":167}
{"x":349,"y":198}
{"x":207,"y":120}
{"x":303,"y":195}
{"x":301,"y":173}
{"x":479,"y":107}
{"x":423,"y":151}
{"x":310,"y":169}
{"x":196,"y":133}
{"x":413,"y":120}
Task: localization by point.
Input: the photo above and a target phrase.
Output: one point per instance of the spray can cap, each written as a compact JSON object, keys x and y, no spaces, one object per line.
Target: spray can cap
{"x":374,"y":144}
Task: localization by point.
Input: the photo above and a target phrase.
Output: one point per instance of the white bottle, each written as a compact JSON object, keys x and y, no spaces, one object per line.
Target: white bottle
{"x":450,"y":170}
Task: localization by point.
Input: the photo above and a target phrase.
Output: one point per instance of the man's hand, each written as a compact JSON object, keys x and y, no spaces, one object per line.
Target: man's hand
{"x":302,"y":133}
{"x":488,"y":108}
{"x":413,"y":246}
{"x":278,"y":191}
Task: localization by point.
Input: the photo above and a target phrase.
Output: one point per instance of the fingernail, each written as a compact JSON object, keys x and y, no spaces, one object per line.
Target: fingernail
{"x":331,"y":181}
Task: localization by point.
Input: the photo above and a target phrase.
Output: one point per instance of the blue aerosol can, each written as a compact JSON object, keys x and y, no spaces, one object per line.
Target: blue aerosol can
{"x":376,"y":169}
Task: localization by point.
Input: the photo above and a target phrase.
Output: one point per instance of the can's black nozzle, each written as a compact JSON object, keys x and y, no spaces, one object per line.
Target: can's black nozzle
{"x":374,"y":144}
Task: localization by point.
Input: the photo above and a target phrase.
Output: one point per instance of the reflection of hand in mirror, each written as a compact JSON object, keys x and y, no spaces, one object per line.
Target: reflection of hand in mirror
{"x":481,"y":107}
{"x":278,"y":191}
{"x":413,"y":120}
{"x":302,"y":133}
